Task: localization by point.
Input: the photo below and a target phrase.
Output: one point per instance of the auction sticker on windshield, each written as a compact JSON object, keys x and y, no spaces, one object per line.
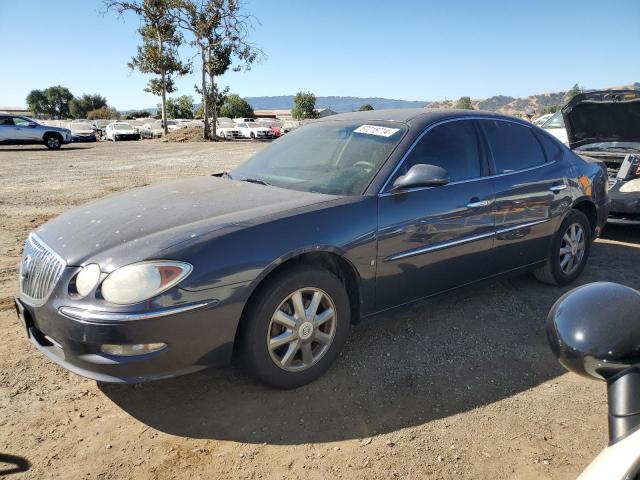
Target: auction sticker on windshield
{"x":376,"y":130}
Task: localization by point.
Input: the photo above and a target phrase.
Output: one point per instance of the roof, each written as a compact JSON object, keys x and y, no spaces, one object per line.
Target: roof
{"x":414,"y":115}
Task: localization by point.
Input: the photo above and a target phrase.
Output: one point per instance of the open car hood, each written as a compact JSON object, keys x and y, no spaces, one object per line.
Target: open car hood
{"x":605,"y":116}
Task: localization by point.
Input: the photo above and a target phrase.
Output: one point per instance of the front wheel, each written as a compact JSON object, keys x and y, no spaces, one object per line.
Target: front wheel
{"x":295,"y":327}
{"x":569,"y":251}
{"x":53,"y":142}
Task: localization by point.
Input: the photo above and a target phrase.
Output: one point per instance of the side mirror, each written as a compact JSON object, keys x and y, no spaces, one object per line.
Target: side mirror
{"x":422,"y":175}
{"x":594,"y":331}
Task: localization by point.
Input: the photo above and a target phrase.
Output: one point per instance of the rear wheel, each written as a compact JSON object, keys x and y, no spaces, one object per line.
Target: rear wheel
{"x":569,"y":251}
{"x":295,"y":327}
{"x":53,"y":141}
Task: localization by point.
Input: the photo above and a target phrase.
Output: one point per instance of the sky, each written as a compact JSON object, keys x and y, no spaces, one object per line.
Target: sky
{"x":401,"y":49}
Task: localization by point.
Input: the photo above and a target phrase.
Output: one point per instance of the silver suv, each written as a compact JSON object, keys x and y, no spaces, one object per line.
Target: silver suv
{"x":17,"y":130}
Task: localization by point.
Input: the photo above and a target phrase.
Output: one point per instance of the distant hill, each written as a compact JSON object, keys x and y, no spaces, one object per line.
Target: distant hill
{"x":518,"y":106}
{"x":497,"y":103}
{"x":337,"y":104}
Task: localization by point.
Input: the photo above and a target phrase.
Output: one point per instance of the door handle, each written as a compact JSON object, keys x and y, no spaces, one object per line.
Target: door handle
{"x":558,"y":188}
{"x":478,"y":204}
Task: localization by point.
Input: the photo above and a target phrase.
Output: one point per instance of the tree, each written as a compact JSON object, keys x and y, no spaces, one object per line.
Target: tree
{"x":365,"y":108}
{"x":52,"y":101}
{"x":221,"y":97}
{"x":575,"y":90}
{"x":79,"y":107}
{"x":464,"y":103}
{"x":304,"y":106}
{"x":137,"y":114}
{"x":236,"y":107}
{"x":158,"y":53}
{"x":37,"y":102}
{"x":103,"y":113}
{"x":549,"y":109}
{"x":181,"y":107}
{"x":220,"y":33}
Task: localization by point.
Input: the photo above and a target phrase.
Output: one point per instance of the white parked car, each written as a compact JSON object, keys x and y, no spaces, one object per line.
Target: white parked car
{"x":117,"y":131}
{"x":555,"y":126}
{"x":173,"y":125}
{"x":227,"y":129}
{"x":541,"y":119}
{"x":254,"y":130}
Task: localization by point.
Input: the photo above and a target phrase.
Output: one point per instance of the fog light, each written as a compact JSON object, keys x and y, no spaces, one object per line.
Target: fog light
{"x":131,"y":350}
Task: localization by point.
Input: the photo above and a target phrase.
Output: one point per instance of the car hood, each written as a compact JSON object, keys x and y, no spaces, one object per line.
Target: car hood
{"x":606,"y":116}
{"x":140,"y":223}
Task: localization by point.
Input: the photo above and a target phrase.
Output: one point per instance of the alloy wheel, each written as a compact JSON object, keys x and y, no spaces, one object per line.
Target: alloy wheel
{"x":53,"y":142}
{"x":572,"y":248}
{"x":302,"y":329}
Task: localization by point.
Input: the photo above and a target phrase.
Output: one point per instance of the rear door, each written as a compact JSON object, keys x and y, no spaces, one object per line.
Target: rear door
{"x":433,"y":239}
{"x":7,"y":129}
{"x":531,"y":190}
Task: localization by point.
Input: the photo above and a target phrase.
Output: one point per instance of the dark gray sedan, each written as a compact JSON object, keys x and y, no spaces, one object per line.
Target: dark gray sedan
{"x":341,"y":219}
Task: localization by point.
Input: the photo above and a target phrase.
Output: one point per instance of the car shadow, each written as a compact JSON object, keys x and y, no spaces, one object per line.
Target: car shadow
{"x":44,"y":149}
{"x":437,"y":358}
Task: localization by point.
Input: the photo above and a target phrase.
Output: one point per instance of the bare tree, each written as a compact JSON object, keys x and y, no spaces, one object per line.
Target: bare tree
{"x":158,"y":53}
{"x":220,"y":31}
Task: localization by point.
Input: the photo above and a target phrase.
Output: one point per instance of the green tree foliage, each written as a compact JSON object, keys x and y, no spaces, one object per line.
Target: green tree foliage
{"x":464,"y":103}
{"x":53,"y":101}
{"x":158,"y":53}
{"x":235,"y":106}
{"x":221,"y":97}
{"x":180,"y":107}
{"x":575,"y":90}
{"x":137,"y":114}
{"x":80,"y":106}
{"x":549,"y":109}
{"x":304,"y":106}
{"x":219,"y":31}
{"x":103,"y":113}
{"x":365,"y":108}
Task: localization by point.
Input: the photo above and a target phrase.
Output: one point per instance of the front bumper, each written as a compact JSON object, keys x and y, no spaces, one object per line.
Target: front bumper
{"x":127,"y":136}
{"x":83,"y":138}
{"x":625,"y":206}
{"x":198,"y":336}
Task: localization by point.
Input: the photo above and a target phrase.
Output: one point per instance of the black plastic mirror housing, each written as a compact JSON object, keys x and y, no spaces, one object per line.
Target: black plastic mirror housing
{"x":422,"y":175}
{"x":594,"y":330}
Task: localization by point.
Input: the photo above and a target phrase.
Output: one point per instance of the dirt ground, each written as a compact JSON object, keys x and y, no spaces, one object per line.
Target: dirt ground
{"x":460,"y":386}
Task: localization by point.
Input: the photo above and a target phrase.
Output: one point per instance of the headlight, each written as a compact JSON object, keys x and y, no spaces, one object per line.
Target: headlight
{"x":87,"y":279}
{"x":141,"y":281}
{"x":632,"y":186}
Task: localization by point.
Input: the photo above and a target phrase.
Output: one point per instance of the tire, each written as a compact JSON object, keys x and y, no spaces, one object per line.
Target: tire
{"x":252,"y":136}
{"x":53,"y":141}
{"x":566,"y":263}
{"x":303,"y":348}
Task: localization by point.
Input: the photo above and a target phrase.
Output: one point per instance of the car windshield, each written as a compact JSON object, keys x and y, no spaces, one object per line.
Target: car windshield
{"x":255,"y":125}
{"x":122,"y":126}
{"x":81,"y":126}
{"x":556,"y":121}
{"x":333,"y":157}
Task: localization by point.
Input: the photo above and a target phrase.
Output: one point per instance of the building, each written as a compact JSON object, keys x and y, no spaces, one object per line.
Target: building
{"x":285,"y":114}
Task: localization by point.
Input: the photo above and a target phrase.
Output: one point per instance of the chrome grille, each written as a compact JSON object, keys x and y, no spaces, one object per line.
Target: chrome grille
{"x":40,"y":270}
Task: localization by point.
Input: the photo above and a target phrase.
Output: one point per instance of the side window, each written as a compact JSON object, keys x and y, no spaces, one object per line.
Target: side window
{"x":452,"y":146}
{"x":550,"y":145}
{"x":6,"y":121}
{"x":21,"y":122}
{"x":513,"y":146}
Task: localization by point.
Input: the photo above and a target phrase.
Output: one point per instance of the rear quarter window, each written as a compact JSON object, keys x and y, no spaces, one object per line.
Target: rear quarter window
{"x":550,"y":145}
{"x":513,"y":146}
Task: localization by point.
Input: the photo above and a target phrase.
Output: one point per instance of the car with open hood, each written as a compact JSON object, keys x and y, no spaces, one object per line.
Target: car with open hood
{"x":605,"y":125}
{"x":341,"y":219}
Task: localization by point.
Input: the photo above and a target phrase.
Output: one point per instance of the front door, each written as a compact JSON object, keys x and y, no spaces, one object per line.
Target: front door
{"x":434,"y":239}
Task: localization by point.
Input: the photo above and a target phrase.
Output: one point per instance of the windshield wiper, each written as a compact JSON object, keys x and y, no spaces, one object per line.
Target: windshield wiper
{"x":255,"y":180}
